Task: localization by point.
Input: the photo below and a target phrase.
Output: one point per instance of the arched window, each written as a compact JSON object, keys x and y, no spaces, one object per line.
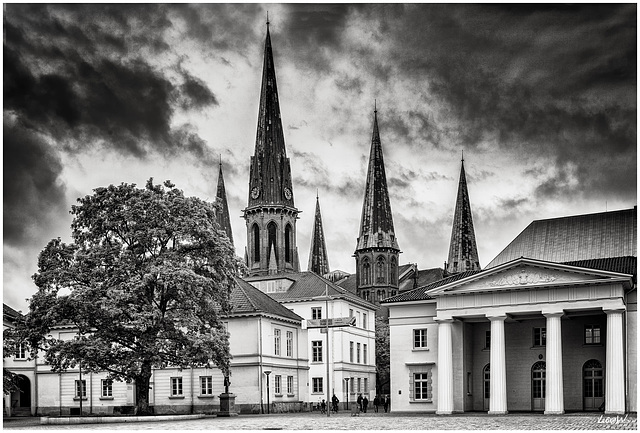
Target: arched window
{"x":486,"y":385}
{"x":392,"y":272}
{"x":380,"y":270}
{"x":593,"y":384}
{"x":366,"y":272}
{"x":256,"y":243}
{"x":287,"y":244}
{"x":538,"y":385}
{"x":272,"y":230}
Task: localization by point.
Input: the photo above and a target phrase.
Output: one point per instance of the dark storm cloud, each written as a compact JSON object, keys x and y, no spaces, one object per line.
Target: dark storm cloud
{"x":32,"y":192}
{"x":78,"y":72}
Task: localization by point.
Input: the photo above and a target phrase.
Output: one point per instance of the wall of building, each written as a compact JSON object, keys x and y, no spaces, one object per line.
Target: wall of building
{"x":631,"y":348}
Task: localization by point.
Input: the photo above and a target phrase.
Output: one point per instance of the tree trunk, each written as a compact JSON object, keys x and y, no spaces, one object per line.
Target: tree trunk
{"x":142,"y":391}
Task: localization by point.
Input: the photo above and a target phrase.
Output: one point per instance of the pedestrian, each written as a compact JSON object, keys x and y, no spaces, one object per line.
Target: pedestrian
{"x":365,"y":403}
{"x":323,"y":406}
{"x":386,"y":403}
{"x":359,"y":402}
{"x":376,"y":402}
{"x":335,"y":401}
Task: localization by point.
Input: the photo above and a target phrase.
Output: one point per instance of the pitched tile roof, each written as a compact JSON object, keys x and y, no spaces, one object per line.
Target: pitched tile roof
{"x":9,"y":313}
{"x":624,"y":265}
{"x":247,"y":299}
{"x":575,"y":238}
{"x":308,"y":285}
{"x":420,"y":294}
{"x":349,"y":283}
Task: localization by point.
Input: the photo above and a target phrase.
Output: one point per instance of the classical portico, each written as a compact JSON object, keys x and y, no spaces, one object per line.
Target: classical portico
{"x":533,"y":322}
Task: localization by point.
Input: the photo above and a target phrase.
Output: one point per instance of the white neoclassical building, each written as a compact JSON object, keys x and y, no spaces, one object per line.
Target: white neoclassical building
{"x":549,"y":325}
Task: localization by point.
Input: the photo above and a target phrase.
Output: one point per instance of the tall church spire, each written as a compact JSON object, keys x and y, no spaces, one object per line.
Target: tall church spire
{"x":463,"y":252}
{"x":270,"y":213}
{"x":222,"y":216}
{"x":318,"y":258}
{"x":377,"y":248}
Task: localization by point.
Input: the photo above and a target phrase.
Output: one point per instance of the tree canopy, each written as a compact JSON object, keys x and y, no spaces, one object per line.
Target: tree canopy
{"x":146,"y":283}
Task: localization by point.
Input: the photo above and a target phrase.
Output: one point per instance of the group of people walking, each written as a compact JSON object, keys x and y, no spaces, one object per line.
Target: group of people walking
{"x":384,"y":401}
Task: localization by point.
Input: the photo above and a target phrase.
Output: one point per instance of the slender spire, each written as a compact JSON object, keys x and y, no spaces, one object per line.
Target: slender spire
{"x":318,"y":258}
{"x":463,"y":252}
{"x":222,"y":216}
{"x":376,"y":226}
{"x":270,"y":178}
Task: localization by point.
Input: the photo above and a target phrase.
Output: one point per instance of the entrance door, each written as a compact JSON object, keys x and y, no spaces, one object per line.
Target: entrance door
{"x":21,"y":399}
{"x":593,"y":388}
{"x":486,"y":374}
{"x":538,"y":385}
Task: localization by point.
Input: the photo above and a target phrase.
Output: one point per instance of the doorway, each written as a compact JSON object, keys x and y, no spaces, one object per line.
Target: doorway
{"x":486,"y":388}
{"x":593,"y":384}
{"x":538,"y":385}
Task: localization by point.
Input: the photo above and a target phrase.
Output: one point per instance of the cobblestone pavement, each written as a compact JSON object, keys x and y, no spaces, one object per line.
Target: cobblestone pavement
{"x":368,"y":421}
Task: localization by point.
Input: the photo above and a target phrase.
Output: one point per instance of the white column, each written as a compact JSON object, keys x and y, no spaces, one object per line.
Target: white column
{"x":614,"y":394}
{"x":497,"y":359}
{"x":554,"y":400}
{"x":445,"y":367}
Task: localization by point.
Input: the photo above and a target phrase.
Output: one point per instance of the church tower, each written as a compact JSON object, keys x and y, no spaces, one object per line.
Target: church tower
{"x":463,"y":252}
{"x":222,"y":216}
{"x":270,"y":214}
{"x":318,"y":258}
{"x":377,"y":250}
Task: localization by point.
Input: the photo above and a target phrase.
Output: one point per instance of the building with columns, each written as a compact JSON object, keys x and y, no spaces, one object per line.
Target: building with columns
{"x":550,"y":325}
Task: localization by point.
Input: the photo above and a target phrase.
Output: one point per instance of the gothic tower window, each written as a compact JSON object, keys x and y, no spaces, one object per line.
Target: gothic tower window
{"x":380,"y":270}
{"x":272,"y":230}
{"x":256,"y":243}
{"x":366,"y":272}
{"x":287,"y":244}
{"x":392,"y":272}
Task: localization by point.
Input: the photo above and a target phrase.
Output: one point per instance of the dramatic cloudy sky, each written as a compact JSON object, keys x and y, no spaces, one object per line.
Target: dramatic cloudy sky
{"x":541,"y":99}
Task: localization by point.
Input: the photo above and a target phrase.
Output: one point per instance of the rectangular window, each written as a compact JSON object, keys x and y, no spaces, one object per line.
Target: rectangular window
{"x":176,"y":386}
{"x":21,"y":351}
{"x":366,"y":385}
{"x":290,"y":385}
{"x":351,"y":351}
{"x":359,"y":384}
{"x":364,"y":354}
{"x":592,"y":334}
{"x":358,"y":353}
{"x":316,"y":351}
{"x":81,"y":388}
{"x":487,"y":339}
{"x":419,"y":338}
{"x":352,"y":388}
{"x":350,"y":312}
{"x":277,"y":384}
{"x":276,"y":342}
{"x":206,"y":385}
{"x":107,"y":388}
{"x":289,"y":343}
{"x":421,"y":385}
{"x":358,"y":321}
{"x":364,"y":320}
{"x":316,"y":312}
{"x":317,"y":385}
{"x":539,"y":336}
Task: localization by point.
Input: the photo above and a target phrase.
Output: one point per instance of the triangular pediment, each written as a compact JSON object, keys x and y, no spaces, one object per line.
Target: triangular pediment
{"x":523,"y":274}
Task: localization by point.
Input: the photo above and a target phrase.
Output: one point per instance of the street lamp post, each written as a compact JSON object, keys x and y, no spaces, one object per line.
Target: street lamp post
{"x":267,"y":372}
{"x":346,"y":386}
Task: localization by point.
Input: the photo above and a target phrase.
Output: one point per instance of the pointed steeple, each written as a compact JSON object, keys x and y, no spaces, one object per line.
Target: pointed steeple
{"x":463,"y":252}
{"x":222,"y":216}
{"x":376,"y":225}
{"x":318,"y":258}
{"x":270,"y":214}
{"x":270,"y":178}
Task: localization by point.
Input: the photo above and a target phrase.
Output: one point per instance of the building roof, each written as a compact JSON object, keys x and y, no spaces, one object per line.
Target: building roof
{"x":309,"y":285}
{"x":463,"y":252}
{"x":575,"y":238}
{"x":428,"y":276}
{"x":420,"y":294}
{"x":318,"y":257}
{"x":247,"y":299}
{"x":222,"y":214}
{"x":376,"y":224}
{"x":9,"y":313}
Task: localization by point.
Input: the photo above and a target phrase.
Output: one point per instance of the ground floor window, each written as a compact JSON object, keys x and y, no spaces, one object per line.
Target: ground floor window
{"x":277,"y":384}
{"x":107,"y":388}
{"x":317,"y":385}
{"x":206,"y":385}
{"x":176,"y":386}
{"x":290,"y":385}
{"x":421,"y":383}
{"x":81,"y":388}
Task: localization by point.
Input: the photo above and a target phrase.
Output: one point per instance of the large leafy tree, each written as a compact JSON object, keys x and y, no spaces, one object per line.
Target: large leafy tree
{"x":146,"y":282}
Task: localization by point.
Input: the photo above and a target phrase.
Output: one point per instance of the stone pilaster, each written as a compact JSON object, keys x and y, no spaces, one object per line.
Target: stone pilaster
{"x":554,"y":400}
{"x":498,"y":384}
{"x":614,"y":395}
{"x":445,"y":367}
